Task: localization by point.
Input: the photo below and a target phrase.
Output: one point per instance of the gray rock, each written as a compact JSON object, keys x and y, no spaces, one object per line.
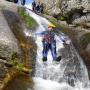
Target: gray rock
{"x":67,"y":5}
{"x":88,"y":48}
{"x":83,"y":19}
{"x":8,"y":5}
{"x":63,"y":23}
{"x":2,"y":71}
{"x":8,"y":42}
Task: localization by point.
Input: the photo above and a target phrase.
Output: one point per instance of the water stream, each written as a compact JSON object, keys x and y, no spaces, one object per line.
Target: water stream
{"x":70,"y":74}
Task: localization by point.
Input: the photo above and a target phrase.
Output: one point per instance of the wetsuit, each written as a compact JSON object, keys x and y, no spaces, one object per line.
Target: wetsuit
{"x":49,"y":43}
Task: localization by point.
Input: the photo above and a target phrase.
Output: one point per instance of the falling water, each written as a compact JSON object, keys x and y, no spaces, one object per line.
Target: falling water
{"x":70,"y":74}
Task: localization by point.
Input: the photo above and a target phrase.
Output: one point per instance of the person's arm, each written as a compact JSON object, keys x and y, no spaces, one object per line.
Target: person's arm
{"x":37,"y":34}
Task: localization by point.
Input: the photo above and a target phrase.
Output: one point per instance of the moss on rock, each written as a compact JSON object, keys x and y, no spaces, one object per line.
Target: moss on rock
{"x":30,"y":22}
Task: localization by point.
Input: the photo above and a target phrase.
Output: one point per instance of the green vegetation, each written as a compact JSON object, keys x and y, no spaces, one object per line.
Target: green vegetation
{"x":17,"y":65}
{"x":85,"y":40}
{"x":54,"y":21}
{"x":30,"y":22}
{"x":62,"y":17}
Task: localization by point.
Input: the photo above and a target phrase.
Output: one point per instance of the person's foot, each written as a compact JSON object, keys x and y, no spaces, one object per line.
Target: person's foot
{"x":58,"y":58}
{"x":44,"y":59}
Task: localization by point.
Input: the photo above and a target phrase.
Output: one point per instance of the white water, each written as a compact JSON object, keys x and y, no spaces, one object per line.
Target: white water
{"x":58,"y":76}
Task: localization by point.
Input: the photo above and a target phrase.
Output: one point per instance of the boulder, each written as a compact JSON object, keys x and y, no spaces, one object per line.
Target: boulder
{"x":88,"y":48}
{"x":8,"y":45}
{"x":8,"y":42}
{"x":83,"y":19}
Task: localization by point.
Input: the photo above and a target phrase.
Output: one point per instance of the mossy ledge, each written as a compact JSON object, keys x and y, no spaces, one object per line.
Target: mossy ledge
{"x":29,"y":21}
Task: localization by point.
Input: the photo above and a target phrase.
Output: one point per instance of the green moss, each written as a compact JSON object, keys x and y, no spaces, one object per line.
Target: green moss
{"x":85,"y":40}
{"x":62,"y":18}
{"x":15,"y":62}
{"x":54,"y":21}
{"x":29,"y":21}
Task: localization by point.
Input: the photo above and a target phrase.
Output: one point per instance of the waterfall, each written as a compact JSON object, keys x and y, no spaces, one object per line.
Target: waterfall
{"x":70,"y":74}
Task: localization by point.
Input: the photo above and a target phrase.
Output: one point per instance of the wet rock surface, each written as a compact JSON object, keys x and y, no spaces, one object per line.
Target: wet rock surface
{"x":27,"y":43}
{"x":13,"y":40}
{"x":8,"y":5}
{"x":8,"y":42}
{"x":73,"y":71}
{"x":23,"y":83}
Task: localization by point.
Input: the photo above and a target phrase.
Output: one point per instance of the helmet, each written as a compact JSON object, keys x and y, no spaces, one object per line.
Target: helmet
{"x":51,"y":25}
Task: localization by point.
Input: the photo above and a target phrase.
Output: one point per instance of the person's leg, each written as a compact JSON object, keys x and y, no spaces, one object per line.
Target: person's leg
{"x":45,"y":50}
{"x":53,"y":50}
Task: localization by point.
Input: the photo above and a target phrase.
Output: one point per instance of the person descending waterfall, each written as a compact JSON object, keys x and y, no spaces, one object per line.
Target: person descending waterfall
{"x":49,"y":43}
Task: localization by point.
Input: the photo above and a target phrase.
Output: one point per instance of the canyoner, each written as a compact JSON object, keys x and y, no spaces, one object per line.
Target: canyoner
{"x":49,"y":42}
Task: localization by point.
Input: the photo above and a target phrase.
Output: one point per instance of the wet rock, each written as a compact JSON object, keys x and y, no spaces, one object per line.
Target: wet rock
{"x":64,"y":23}
{"x":67,"y":5}
{"x":74,"y":70}
{"x":83,"y":19}
{"x":8,"y":5}
{"x":8,"y":42}
{"x":88,"y":48}
{"x":3,"y":71}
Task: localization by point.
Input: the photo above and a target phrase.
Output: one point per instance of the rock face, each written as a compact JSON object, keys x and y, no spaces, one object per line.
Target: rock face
{"x":88,"y":48}
{"x":8,"y":5}
{"x":64,"y":6}
{"x":67,"y":5}
{"x":52,"y":6}
{"x":8,"y":43}
{"x":14,"y":44}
